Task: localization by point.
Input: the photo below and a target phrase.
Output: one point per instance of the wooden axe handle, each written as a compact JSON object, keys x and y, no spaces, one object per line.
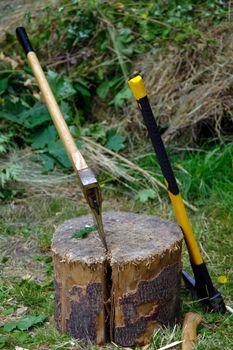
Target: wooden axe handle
{"x":54,"y":110}
{"x":189,"y":330}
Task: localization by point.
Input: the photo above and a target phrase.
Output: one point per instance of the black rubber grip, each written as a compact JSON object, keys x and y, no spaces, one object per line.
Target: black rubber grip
{"x":23,"y":39}
{"x":158,"y":144}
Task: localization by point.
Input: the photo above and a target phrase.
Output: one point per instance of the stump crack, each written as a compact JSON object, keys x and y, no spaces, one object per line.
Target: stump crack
{"x":109,"y":309}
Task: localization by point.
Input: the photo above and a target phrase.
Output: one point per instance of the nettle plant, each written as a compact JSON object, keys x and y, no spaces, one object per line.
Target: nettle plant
{"x":24,"y":111}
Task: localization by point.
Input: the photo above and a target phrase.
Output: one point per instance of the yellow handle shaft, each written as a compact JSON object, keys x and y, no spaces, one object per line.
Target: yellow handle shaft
{"x":183,"y":221}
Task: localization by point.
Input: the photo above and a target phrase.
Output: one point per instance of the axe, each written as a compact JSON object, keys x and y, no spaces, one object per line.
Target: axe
{"x":87,"y":180}
{"x":201,"y":284}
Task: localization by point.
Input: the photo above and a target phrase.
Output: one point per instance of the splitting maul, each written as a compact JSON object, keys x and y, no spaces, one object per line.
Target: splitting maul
{"x":202,"y":286}
{"x":87,"y":180}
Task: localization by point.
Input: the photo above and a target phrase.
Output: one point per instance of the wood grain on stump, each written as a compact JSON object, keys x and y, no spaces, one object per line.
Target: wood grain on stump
{"x":122,"y":296}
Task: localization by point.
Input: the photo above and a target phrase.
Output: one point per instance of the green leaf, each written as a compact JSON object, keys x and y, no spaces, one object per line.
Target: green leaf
{"x":79,"y":144}
{"x":8,"y":327}
{"x":3,"y":341}
{"x":3,"y":85}
{"x":127,"y":51}
{"x":145,"y":195}
{"x":103,"y":89}
{"x":21,"y":336}
{"x":83,"y":232}
{"x":61,"y":157}
{"x":121,"y":97}
{"x":9,"y":172}
{"x":52,"y":77}
{"x":8,"y":311}
{"x":9,"y":116}
{"x":62,"y":88}
{"x":4,"y":142}
{"x":115,"y":143}
{"x":66,"y":109}
{"x":12,"y":112}
{"x":181,"y":37}
{"x":74,"y":130}
{"x":45,"y":137}
{"x":26,"y":322}
{"x":96,"y":131}
{"x":65,"y":89}
{"x":48,"y":163}
{"x":83,"y":82}
{"x":36,"y":116}
{"x":83,"y":91}
{"x":56,"y":149}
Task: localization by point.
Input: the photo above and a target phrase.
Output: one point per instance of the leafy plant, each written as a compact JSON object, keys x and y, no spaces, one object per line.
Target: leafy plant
{"x":114,"y":142}
{"x":24,"y":323}
{"x":146,"y":194}
{"x":3,"y":340}
{"x":32,"y":117}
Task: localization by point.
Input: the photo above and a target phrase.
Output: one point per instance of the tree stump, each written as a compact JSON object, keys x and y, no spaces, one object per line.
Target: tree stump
{"x":123,"y":295}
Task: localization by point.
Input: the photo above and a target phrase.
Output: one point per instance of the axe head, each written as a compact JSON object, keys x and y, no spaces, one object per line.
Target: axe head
{"x":91,"y":190}
{"x":199,"y":289}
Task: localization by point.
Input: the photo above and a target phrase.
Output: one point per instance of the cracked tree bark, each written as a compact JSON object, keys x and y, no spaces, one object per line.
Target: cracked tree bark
{"x":122,"y":296}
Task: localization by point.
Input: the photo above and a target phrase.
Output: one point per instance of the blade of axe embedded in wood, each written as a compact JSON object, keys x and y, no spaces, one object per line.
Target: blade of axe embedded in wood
{"x":92,"y":193}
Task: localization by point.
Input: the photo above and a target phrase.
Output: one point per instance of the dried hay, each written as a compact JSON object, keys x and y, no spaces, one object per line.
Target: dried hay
{"x":117,"y":167}
{"x":12,"y":13}
{"x":191,"y":85}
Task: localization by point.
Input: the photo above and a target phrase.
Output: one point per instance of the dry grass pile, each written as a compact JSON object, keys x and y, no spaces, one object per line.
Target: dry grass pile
{"x":34,"y":180}
{"x":13,"y":12}
{"x":101,"y":159}
{"x":191,"y":85}
{"x":117,"y":168}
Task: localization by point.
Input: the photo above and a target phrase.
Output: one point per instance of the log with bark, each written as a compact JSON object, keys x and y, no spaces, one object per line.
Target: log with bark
{"x":126,"y":294}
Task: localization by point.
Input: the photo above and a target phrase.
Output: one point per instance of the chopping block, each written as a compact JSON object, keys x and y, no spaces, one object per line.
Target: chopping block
{"x":125,"y":294}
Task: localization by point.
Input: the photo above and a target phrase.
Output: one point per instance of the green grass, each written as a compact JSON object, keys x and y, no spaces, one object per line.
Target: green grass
{"x":27,"y":226}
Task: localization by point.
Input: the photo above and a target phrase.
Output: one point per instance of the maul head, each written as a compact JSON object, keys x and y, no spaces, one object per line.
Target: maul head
{"x":202,"y":288}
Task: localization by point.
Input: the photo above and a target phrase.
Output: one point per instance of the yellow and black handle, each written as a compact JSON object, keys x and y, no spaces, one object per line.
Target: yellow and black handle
{"x":202,"y":284}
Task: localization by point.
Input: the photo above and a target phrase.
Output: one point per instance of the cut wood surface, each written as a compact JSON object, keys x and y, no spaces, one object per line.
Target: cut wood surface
{"x":122,"y":296}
